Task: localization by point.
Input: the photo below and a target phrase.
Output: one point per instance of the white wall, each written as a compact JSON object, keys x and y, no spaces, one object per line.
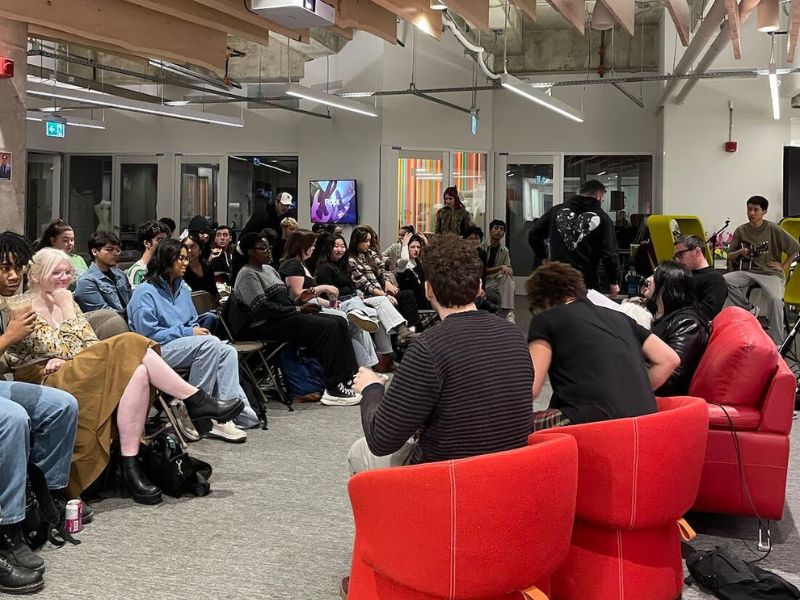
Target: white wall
{"x":699,"y":177}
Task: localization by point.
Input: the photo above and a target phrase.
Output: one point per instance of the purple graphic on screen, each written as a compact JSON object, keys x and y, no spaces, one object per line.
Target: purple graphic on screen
{"x":334,"y":201}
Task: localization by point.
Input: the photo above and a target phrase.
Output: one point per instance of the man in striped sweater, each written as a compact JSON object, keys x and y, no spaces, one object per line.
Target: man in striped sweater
{"x":464,"y":386}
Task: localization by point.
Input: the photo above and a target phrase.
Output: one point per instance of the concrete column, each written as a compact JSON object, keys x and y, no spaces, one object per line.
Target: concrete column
{"x":13,"y":135}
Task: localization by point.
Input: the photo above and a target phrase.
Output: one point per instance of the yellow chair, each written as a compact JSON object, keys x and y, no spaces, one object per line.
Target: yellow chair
{"x":661,"y":233}
{"x":791,"y":292}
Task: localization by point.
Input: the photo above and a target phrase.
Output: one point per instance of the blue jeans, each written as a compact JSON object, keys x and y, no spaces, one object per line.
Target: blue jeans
{"x":213,"y":367}
{"x":49,"y":414}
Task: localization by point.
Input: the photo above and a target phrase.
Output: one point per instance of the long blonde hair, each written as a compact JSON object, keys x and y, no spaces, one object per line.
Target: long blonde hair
{"x":43,"y":264}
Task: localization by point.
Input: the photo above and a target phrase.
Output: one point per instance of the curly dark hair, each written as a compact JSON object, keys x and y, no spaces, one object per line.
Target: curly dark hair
{"x":167,"y":252}
{"x":54,"y":229}
{"x":552,"y":284}
{"x":148,"y":231}
{"x":453,"y":270}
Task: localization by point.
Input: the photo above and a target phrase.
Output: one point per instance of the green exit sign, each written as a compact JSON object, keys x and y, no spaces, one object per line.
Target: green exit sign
{"x":55,"y":129}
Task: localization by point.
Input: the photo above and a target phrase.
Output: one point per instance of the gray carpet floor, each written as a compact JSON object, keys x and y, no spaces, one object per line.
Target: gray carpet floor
{"x":278,"y":523}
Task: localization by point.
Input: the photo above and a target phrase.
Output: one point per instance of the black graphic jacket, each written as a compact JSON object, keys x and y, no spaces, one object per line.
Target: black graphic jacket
{"x":582,"y":234}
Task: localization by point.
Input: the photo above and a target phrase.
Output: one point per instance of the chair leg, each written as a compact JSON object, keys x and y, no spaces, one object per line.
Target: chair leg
{"x":285,"y":399}
{"x":262,"y":399}
{"x":764,"y":537}
{"x":171,"y":420}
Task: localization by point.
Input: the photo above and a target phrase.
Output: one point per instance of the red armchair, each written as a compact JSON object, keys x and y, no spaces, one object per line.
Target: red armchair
{"x":636,"y":478}
{"x":482,"y":528}
{"x":742,"y":370}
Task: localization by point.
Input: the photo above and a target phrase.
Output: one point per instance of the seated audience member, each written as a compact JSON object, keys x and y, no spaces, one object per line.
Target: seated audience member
{"x":199,"y":275}
{"x":323,"y":231}
{"x":499,"y":276}
{"x":28,"y":413}
{"x":162,"y":310}
{"x":274,"y":316}
{"x":111,"y":379}
{"x":200,"y":228}
{"x":678,"y":322}
{"x":103,"y":285}
{"x":370,"y":278}
{"x":300,"y":245}
{"x":149,"y":235}
{"x":595,"y":357}
{"x":59,"y":235}
{"x":392,"y":254}
{"x":221,"y":259}
{"x":288,"y":226}
{"x":758,"y":247}
{"x":709,"y":285}
{"x":169,"y":224}
{"x":409,"y":272}
{"x":332,"y":269}
{"x":489,"y":301}
{"x":454,"y":415}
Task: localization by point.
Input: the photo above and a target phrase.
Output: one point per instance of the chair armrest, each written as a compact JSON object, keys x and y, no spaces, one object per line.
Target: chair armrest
{"x":778,"y":406}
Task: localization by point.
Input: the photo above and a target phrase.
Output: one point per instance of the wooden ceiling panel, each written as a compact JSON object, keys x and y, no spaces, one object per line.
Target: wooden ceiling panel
{"x":679,"y":11}
{"x":191,"y":11}
{"x":623,"y":11}
{"x":794,"y":30}
{"x":526,"y":6}
{"x":132,"y":28}
{"x":734,"y":27}
{"x":474,"y":12}
{"x":367,"y":16}
{"x":573,"y":11}
{"x":418,"y":13}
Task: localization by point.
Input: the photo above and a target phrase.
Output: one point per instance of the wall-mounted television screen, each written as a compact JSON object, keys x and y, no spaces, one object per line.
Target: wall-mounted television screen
{"x":334,"y":201}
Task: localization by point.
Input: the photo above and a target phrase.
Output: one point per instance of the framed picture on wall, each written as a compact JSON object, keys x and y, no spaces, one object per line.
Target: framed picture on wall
{"x":5,"y":165}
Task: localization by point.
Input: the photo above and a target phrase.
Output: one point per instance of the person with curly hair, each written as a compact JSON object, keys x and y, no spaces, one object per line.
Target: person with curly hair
{"x":451,"y":413}
{"x":602,"y":365}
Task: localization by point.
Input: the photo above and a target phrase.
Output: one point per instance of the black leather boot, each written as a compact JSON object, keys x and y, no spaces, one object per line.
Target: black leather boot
{"x":203,"y":407}
{"x":18,"y":580}
{"x":16,"y":551}
{"x":136,"y":482}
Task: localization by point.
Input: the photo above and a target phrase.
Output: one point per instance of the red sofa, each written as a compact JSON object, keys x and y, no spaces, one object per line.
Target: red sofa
{"x":482,"y":528}
{"x":742,"y":370}
{"x":636,"y":478}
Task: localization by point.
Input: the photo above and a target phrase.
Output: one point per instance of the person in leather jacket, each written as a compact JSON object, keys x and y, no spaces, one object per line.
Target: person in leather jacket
{"x":678,"y":322}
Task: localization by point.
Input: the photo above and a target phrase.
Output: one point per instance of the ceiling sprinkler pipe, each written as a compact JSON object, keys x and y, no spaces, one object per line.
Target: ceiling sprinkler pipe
{"x":479,"y":51}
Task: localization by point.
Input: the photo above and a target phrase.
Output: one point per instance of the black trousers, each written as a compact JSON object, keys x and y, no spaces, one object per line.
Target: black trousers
{"x":326,"y":336}
{"x":407,"y":306}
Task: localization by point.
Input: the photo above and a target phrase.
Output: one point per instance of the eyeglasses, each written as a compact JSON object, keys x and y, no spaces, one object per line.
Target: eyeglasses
{"x":183,"y":259}
{"x":679,"y":253}
{"x":260,"y":248}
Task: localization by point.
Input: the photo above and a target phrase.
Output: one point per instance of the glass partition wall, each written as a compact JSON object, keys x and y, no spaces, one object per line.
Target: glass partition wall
{"x":255,"y":181}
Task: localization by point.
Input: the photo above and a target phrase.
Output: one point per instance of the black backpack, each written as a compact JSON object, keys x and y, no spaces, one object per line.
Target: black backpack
{"x":731,"y":578}
{"x":173,"y":470}
{"x":42,"y":520}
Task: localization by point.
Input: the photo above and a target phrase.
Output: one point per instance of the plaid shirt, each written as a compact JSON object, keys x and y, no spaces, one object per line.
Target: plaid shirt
{"x":367,"y":272}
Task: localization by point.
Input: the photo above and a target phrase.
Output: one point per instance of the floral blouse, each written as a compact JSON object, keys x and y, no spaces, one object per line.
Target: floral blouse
{"x":66,"y":341}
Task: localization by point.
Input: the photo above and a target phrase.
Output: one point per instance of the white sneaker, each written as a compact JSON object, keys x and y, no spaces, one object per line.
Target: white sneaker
{"x":362,"y":321}
{"x":340,"y":396}
{"x":227,"y":432}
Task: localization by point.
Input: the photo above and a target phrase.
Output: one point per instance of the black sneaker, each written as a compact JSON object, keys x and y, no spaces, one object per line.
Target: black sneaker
{"x":18,"y":580}
{"x":341,"y":395}
{"x":14,"y":549}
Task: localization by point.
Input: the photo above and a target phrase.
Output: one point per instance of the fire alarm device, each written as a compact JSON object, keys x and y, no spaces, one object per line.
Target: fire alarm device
{"x":6,"y":68}
{"x":730,"y":146}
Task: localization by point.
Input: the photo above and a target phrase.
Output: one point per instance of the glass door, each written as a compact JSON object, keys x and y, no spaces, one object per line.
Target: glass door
{"x":43,"y":192}
{"x":135,"y":197}
{"x":88,"y":195}
{"x":526,"y":188}
{"x":199,"y":182}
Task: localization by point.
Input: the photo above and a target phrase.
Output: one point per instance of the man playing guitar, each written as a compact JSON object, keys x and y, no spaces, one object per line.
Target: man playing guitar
{"x":760,"y":249}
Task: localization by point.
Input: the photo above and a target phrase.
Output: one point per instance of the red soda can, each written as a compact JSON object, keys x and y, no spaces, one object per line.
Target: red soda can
{"x":73,"y":516}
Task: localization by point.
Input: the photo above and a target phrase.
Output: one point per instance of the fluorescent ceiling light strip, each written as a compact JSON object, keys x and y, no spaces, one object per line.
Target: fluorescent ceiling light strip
{"x":518,"y":86}
{"x":355,"y":94}
{"x":70,"y":121}
{"x":773,"y":92}
{"x":109,"y":101}
{"x":299,"y":91}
